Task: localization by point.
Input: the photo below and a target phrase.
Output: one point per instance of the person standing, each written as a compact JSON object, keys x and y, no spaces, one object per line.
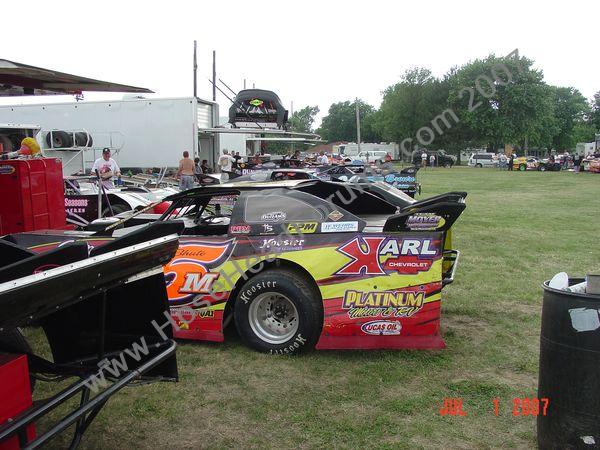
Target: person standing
{"x":423,"y":159}
{"x":204,"y":167}
{"x":225,"y":163}
{"x":107,"y":169}
{"x":577,"y":162}
{"x":186,"y":172}
{"x":236,"y":157}
{"x":511,"y":161}
{"x":432,"y":160}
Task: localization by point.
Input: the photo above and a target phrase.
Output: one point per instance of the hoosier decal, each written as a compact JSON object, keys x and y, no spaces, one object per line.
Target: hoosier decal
{"x":382,"y":303}
{"x":378,"y":255}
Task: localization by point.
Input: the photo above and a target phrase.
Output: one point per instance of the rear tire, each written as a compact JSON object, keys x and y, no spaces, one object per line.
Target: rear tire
{"x":279,"y":312}
{"x":7,"y":145}
{"x":522,"y":167}
{"x":479,"y":165}
{"x":59,"y":139}
{"x":83,"y":139}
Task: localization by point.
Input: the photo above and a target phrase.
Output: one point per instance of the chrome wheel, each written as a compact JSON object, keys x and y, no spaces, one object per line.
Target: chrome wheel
{"x":273,"y":317}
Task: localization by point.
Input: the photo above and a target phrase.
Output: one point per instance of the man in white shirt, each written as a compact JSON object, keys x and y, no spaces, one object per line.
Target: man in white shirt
{"x":323,"y":159}
{"x":107,"y":169}
{"x":423,"y":159}
{"x":432,"y":160}
{"x":225,"y":163}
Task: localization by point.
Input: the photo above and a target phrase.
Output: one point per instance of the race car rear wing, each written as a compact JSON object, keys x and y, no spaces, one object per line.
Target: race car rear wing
{"x":426,"y":216}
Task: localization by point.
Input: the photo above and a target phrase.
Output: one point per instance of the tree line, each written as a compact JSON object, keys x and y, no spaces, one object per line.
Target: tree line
{"x":487,"y":103}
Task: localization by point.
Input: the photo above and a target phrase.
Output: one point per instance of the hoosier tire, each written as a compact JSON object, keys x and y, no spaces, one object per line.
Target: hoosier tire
{"x":279,"y":312}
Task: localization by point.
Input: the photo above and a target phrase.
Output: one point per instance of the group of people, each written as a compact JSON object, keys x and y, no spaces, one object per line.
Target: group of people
{"x":189,"y":170}
{"x":432,"y":160}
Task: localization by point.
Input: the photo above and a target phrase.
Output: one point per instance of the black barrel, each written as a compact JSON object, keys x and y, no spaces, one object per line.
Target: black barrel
{"x":569,"y":374}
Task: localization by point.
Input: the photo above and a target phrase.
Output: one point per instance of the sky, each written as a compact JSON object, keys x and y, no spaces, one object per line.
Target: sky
{"x":309,"y":52}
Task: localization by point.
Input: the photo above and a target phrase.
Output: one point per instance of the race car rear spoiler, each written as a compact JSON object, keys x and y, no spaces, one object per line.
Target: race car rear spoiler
{"x":435,"y":213}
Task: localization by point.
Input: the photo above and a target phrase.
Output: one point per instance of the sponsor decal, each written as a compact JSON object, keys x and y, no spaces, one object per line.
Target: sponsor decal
{"x":424,"y":221}
{"x":339,"y":227}
{"x":281,"y":244}
{"x":266,"y":228}
{"x":335,"y":215}
{"x":381,"y":328}
{"x":382,"y":303}
{"x":7,"y":169}
{"x":306,"y":227}
{"x":391,"y":178}
{"x":275,"y":216}
{"x":298,"y":342}
{"x":256,"y":102}
{"x":378,"y":255}
{"x":246,"y":295}
{"x":76,"y":205}
{"x":239,"y":229}
{"x":187,"y":274}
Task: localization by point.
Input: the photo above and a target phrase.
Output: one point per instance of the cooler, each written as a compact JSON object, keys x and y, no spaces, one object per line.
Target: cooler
{"x":32,"y":195}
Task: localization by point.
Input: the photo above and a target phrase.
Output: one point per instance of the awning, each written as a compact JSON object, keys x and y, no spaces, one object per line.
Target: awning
{"x":20,"y":79}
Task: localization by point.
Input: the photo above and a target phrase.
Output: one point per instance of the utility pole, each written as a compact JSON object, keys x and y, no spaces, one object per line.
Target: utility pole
{"x":291,"y":125}
{"x":214,"y":83}
{"x":244,"y":83}
{"x":357,"y":125}
{"x":195,"y":72}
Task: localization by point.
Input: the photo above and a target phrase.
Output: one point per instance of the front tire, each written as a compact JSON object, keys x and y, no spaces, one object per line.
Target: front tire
{"x":279,"y":312}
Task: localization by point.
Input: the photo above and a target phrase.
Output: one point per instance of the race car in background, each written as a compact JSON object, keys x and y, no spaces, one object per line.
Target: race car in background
{"x":303,"y":263}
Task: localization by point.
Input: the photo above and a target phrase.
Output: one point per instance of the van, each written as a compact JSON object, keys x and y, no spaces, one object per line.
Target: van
{"x":372,"y":155}
{"x":483,"y":160}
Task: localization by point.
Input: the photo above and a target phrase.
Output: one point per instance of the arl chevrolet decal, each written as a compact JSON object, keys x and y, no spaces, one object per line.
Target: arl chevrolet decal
{"x":380,"y":255}
{"x":382,"y":303}
{"x":187,"y":275}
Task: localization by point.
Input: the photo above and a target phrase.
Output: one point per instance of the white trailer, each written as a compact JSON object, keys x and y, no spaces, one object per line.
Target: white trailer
{"x":141,"y":132}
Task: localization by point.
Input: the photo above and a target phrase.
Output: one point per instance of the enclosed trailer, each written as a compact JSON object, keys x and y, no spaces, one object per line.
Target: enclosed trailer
{"x":141,"y":132}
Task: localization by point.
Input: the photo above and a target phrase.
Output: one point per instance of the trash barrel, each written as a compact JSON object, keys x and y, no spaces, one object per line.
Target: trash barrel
{"x":569,"y":373}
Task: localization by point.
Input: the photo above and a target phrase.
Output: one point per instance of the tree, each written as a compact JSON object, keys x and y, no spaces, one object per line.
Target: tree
{"x":303,"y":120}
{"x":340,"y":122}
{"x":503,"y":100}
{"x":595,"y":113}
{"x":571,"y":111}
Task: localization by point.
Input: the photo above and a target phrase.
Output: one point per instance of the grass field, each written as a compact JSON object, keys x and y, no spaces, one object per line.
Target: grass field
{"x":518,"y":230}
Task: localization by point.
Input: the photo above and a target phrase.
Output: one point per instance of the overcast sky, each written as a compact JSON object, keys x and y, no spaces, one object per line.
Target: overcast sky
{"x":309,"y":52}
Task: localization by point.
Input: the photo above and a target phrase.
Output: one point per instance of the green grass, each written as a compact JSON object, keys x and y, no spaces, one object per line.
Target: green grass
{"x":518,"y":230}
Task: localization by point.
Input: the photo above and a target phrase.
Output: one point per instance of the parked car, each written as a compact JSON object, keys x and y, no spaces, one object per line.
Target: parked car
{"x":442,"y":159}
{"x":483,"y":160}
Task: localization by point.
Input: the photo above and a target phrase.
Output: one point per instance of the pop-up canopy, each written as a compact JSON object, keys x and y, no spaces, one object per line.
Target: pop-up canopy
{"x":21,"y":79}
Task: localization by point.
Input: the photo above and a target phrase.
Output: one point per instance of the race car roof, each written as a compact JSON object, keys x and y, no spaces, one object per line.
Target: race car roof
{"x":236,"y":188}
{"x":22,"y":79}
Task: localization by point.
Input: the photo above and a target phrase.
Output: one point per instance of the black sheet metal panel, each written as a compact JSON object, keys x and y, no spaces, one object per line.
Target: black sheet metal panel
{"x":75,"y":333}
{"x":27,"y":299}
{"x":569,"y":371}
{"x":22,"y":79}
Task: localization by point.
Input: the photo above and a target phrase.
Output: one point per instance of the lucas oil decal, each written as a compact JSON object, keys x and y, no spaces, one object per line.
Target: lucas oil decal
{"x":382,"y":303}
{"x":378,"y":255}
{"x":187,"y":274}
{"x":381,"y":327}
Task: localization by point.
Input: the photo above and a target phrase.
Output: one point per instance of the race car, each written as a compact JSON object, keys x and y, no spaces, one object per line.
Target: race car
{"x":302,"y":263}
{"x":404,"y":180}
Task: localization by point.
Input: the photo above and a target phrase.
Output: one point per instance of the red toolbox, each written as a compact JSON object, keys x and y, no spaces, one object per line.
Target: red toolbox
{"x":32,"y":195}
{"x":15,"y":394}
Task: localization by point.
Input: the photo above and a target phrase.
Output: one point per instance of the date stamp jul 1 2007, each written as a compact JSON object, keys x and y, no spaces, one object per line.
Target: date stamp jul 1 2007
{"x":521,"y":407}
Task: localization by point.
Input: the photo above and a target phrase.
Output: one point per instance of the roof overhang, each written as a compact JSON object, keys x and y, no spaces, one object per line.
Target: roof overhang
{"x":20,"y":79}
